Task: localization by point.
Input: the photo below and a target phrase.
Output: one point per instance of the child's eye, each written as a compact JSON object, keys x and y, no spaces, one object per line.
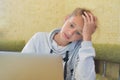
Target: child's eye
{"x":78,"y":33}
{"x":71,"y":25}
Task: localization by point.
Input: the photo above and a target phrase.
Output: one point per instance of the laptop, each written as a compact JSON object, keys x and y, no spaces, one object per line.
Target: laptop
{"x":17,"y":66}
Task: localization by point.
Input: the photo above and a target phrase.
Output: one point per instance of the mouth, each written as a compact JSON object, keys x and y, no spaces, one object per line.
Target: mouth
{"x":66,"y":37}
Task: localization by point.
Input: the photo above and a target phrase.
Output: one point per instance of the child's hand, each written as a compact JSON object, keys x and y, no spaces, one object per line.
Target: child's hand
{"x":89,"y":26}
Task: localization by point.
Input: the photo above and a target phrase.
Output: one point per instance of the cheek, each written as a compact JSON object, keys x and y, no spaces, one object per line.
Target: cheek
{"x":63,"y":29}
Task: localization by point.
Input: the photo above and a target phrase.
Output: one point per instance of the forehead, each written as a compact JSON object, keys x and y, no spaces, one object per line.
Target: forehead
{"x":77,"y":20}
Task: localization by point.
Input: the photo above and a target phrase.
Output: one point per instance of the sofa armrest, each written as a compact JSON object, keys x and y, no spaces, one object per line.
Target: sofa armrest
{"x":108,"y":52}
{"x":11,"y":45}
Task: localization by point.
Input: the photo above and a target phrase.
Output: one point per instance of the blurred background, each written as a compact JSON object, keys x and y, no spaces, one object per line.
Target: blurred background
{"x":20,"y":19}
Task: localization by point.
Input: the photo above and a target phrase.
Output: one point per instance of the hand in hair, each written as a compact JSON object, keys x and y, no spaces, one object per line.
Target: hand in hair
{"x":89,"y":26}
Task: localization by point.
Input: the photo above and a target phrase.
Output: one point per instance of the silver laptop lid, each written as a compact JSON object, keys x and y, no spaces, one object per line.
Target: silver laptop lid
{"x":19,"y":66}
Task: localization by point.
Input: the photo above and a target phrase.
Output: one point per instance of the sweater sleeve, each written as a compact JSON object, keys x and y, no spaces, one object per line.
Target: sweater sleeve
{"x":30,"y":46}
{"x":85,"y":69}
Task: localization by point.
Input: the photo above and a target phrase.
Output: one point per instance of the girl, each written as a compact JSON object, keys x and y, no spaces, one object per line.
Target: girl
{"x":73,"y":42}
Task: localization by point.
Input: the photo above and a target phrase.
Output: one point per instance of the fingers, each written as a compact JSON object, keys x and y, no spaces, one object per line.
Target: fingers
{"x":89,"y":23}
{"x":93,"y":19}
{"x":84,"y":18}
{"x":89,"y":17}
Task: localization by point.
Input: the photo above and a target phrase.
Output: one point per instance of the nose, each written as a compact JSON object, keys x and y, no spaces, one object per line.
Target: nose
{"x":71,"y":32}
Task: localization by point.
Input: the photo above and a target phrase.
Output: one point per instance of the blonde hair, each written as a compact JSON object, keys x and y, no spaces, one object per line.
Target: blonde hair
{"x":79,"y":12}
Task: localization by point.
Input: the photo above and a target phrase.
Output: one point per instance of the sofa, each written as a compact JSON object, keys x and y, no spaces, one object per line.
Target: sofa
{"x":107,"y":61}
{"x":12,"y":45}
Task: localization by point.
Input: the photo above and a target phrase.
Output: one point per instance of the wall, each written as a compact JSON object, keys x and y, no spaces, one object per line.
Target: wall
{"x":20,"y":19}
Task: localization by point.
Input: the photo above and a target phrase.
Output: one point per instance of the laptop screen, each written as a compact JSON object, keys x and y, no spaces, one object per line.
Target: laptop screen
{"x":19,"y":66}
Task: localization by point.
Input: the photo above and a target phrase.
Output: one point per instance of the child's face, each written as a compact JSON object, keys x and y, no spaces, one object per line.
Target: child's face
{"x":72,"y":29}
